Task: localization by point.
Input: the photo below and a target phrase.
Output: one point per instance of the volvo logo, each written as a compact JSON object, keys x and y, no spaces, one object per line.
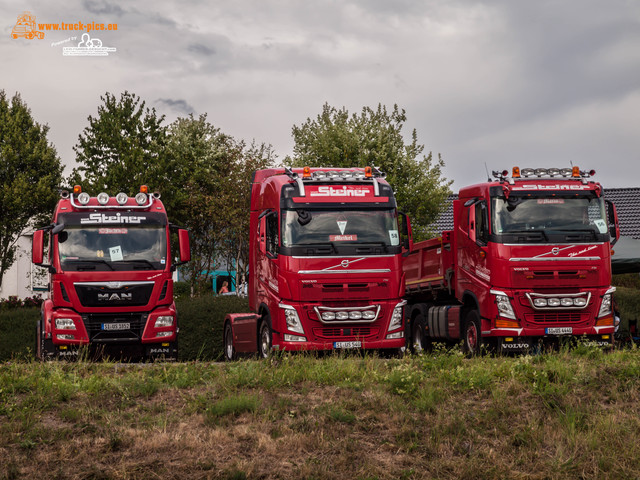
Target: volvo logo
{"x":555,"y":250}
{"x":344,"y":263}
{"x":114,"y":296}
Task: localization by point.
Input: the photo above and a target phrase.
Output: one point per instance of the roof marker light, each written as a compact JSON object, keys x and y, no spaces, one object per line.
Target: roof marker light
{"x":122,"y":198}
{"x":141,"y":198}
{"x":83,"y":198}
{"x":144,"y":189}
{"x":306,"y":172}
{"x":515,"y":173}
{"x":103,"y":198}
{"x":77,"y":189}
{"x":575,"y":172}
{"x":367,"y":172}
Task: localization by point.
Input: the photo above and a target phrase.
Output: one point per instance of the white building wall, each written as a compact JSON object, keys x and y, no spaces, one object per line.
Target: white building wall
{"x":24,"y":279}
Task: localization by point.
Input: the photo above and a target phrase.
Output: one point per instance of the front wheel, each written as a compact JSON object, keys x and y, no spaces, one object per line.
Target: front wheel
{"x":229,"y":351}
{"x":418,"y":337}
{"x":472,"y":334}
{"x":264,"y":339}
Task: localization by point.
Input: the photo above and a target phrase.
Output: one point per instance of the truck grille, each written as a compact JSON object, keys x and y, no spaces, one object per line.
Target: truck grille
{"x":556,"y":317}
{"x":114,"y":294}
{"x":94,"y":325}
{"x":355,"y":332}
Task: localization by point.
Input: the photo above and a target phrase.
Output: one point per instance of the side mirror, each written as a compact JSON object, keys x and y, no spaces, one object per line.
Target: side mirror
{"x":262,"y":235}
{"x":185,"y":248}
{"x":614,"y":226}
{"x":407,"y":233}
{"x":37,"y":247}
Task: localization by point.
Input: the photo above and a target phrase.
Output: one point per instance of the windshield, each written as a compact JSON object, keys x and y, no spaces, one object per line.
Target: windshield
{"x":344,"y":227}
{"x":112,"y":248}
{"x":518,"y":214}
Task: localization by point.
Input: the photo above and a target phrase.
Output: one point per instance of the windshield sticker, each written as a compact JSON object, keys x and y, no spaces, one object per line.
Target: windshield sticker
{"x":112,"y":230}
{"x":343,"y":238}
{"x":550,"y":201}
{"x":394,"y":237}
{"x":162,"y":261}
{"x":115,"y":253}
{"x":601,"y":224}
{"x":342,"y":225}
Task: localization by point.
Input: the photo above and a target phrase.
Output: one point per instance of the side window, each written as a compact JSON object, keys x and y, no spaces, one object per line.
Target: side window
{"x":272,"y":233}
{"x":482,"y":223}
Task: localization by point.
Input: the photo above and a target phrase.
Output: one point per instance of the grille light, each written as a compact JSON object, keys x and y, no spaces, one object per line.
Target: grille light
{"x":164,"y":334}
{"x":294,"y":338}
{"x":64,"y":336}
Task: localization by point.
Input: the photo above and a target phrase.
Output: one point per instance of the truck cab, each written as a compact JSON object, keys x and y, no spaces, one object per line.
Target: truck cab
{"x":325,"y":264}
{"x":111,"y":285}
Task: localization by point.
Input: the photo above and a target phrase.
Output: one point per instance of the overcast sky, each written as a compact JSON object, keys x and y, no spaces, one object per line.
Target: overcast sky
{"x":528,"y":83}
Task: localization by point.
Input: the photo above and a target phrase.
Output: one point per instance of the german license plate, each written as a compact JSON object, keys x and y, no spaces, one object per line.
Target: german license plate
{"x":558,"y":330}
{"x":347,"y":344}
{"x":116,"y":326}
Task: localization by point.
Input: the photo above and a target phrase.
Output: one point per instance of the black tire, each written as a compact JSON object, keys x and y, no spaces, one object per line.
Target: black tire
{"x":265,"y":338}
{"x":229,"y":351}
{"x":472,"y":338}
{"x":418,"y":335}
{"x":37,"y":351}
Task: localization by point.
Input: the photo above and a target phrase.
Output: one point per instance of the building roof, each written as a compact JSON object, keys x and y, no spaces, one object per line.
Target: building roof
{"x":626,"y":200}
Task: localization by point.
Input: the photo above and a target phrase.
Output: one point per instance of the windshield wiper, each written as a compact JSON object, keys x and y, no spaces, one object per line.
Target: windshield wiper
{"x":93,"y":260}
{"x":542,"y":232}
{"x":141,"y":260}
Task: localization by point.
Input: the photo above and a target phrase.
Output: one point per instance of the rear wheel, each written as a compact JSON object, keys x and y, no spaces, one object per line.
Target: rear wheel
{"x":472,"y":334}
{"x":38,"y":345}
{"x":229,"y":351}
{"x":264,"y":338}
{"x":418,"y":335}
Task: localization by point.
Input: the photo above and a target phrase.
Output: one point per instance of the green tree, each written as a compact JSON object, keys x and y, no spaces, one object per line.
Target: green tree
{"x":30,"y":174}
{"x":214,"y":173}
{"x":122,"y":148}
{"x":374,"y":137}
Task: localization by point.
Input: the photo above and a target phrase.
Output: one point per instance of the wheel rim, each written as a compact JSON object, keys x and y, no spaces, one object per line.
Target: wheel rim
{"x":228,"y":344}
{"x":265,"y":342}
{"x":472,"y":336}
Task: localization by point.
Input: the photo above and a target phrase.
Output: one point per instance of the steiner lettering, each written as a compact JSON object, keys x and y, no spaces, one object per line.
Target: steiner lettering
{"x":101,"y":218}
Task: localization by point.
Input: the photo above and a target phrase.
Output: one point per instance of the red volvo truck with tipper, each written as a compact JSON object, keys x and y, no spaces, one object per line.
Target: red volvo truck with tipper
{"x":325,"y":264}
{"x":111,"y":284}
{"x":528,"y":261}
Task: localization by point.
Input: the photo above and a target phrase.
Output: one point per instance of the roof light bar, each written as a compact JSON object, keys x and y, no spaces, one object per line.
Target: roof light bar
{"x":573,"y":172}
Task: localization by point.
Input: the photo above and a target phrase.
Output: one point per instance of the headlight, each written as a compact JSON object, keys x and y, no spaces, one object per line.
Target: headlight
{"x":122,"y":198}
{"x":103,"y":198}
{"x":65,"y":324}
{"x":164,"y":321}
{"x":292,"y":319}
{"x":141,"y":198}
{"x":605,"y":306}
{"x":396,"y":317}
{"x":504,"y":305}
{"x":84,"y":198}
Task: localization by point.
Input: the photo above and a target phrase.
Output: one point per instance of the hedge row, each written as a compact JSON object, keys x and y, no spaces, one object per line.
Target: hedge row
{"x":200,"y":321}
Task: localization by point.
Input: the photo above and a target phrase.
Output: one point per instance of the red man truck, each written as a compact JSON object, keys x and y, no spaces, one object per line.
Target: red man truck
{"x":111,"y":284}
{"x":325,"y":267}
{"x":528,"y":261}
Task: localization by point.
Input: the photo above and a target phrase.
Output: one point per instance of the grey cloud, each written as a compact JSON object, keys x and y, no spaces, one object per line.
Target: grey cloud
{"x":102,"y":7}
{"x":201,"y":49}
{"x":180,"y":106}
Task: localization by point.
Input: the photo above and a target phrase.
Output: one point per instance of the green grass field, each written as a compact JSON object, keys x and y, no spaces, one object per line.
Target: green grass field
{"x":571,"y":414}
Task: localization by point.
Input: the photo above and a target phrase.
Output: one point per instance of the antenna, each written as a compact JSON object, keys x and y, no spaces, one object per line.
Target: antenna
{"x":487,"y":170}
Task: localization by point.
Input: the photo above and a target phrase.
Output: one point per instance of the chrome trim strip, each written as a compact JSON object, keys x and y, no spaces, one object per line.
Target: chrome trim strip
{"x":553,"y":259}
{"x":371,"y":270}
{"x":342,"y":256}
{"x":112,"y":285}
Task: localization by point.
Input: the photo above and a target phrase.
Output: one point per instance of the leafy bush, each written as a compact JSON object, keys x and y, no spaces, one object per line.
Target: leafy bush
{"x":201,"y":322}
{"x":14,"y":302}
{"x":628,"y":300}
{"x":181,"y":290}
{"x":17,"y":332}
{"x":629,"y":280}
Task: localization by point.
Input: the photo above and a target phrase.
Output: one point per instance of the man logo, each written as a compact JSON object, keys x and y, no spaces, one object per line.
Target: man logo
{"x":115,"y":296}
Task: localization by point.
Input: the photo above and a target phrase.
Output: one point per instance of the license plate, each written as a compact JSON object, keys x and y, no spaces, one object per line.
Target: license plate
{"x":558,"y":330}
{"x":347,"y":344}
{"x":116,"y":326}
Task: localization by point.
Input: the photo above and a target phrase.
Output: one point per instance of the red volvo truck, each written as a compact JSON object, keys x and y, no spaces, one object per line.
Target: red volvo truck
{"x":528,"y":261}
{"x":325,"y":264}
{"x":111,"y":284}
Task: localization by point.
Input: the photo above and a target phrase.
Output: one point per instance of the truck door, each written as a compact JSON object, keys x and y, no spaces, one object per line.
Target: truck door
{"x":472,"y":254}
{"x":267,"y":267}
